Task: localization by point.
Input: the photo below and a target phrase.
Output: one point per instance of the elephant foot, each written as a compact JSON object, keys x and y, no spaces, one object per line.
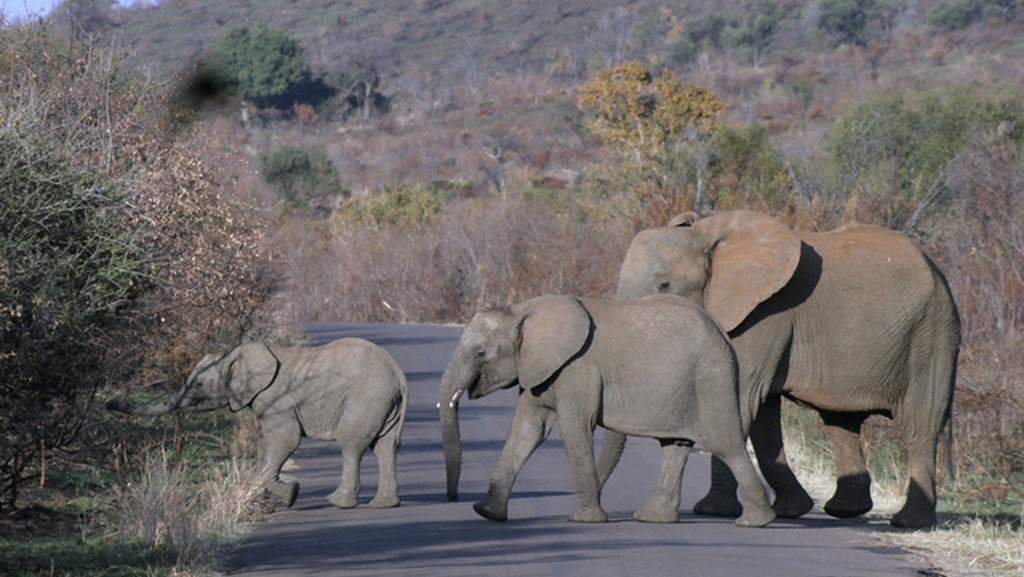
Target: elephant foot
{"x":491,"y":512}
{"x":657,"y":513}
{"x":756,"y":517}
{"x":288,"y":492}
{"x":792,"y":506}
{"x":718,"y":506}
{"x":914,"y":519}
{"x":385,"y":502}
{"x":589,"y":515}
{"x":844,"y":507}
{"x":342,"y":499}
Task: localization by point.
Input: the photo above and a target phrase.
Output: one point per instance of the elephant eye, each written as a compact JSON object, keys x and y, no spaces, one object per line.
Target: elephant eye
{"x":481,"y":353}
{"x":663,"y":287}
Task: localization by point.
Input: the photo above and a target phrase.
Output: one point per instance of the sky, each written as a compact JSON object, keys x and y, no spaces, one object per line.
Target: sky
{"x":22,"y":9}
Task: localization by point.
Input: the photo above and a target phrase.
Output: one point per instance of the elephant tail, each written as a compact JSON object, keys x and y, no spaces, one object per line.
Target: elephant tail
{"x":947,"y":446}
{"x":396,"y":421}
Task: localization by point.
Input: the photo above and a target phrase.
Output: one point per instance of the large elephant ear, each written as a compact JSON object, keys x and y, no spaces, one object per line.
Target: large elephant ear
{"x":553,"y":329}
{"x":253,"y":368}
{"x":754,"y":256}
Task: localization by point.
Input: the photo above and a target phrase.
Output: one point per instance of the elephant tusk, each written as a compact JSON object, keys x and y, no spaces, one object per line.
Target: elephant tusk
{"x":454,"y":403}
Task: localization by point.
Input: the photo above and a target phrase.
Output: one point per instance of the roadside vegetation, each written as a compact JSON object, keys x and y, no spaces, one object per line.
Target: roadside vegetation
{"x":371,"y":161}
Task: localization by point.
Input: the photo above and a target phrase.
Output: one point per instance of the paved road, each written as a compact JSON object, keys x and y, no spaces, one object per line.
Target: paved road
{"x":427,"y":536}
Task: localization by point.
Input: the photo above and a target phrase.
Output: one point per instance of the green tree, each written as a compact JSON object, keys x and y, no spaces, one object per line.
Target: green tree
{"x":263,"y":64}
{"x":845,"y":21}
{"x":955,"y":14}
{"x":757,"y":31}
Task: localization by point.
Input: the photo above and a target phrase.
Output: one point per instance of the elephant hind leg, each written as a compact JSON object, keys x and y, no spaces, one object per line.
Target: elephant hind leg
{"x":852,"y":496}
{"x":386,"y":450}
{"x":353,"y":446}
{"x":791,"y":499}
{"x":663,"y":506}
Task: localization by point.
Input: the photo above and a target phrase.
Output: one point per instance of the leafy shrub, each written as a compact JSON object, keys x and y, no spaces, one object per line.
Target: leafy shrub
{"x":400,"y":204}
{"x":748,"y":170}
{"x":300,"y":175}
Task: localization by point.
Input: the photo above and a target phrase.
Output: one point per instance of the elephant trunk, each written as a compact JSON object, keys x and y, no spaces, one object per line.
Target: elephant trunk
{"x":453,"y":385}
{"x":180,"y":399}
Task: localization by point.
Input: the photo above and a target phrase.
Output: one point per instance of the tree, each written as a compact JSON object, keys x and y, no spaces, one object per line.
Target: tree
{"x":662,"y":127}
{"x":264,"y":65}
{"x":633,"y":110}
{"x":845,"y":21}
{"x":758,"y":28}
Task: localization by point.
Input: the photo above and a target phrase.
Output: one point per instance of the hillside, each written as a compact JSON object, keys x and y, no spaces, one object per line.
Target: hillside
{"x":467,"y":78}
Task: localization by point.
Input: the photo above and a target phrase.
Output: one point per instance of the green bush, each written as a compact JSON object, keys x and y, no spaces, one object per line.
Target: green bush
{"x":401,"y":204}
{"x":68,"y":265}
{"x":748,"y":169}
{"x":907,"y":141}
{"x":300,"y":175}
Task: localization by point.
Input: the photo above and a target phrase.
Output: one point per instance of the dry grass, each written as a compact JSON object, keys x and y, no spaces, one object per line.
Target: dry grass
{"x":192,"y":521}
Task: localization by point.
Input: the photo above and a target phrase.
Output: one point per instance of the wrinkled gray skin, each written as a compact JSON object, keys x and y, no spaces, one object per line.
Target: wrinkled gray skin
{"x":617,"y":364}
{"x":852,"y":322}
{"x":350,"y":390}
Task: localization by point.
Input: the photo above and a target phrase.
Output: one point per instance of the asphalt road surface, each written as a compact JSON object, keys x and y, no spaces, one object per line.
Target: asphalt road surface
{"x":428,"y":536}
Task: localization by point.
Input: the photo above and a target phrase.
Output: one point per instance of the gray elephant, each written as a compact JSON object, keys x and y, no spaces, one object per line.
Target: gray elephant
{"x":617,"y":364}
{"x":349,"y":390}
{"x":852,"y":322}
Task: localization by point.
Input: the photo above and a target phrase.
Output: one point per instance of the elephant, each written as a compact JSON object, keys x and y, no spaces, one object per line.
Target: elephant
{"x":617,"y":364}
{"x":853,"y":322}
{"x":349,"y":390}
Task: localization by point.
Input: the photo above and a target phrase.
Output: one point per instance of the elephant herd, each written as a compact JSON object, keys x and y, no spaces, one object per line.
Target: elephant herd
{"x":715,"y":320}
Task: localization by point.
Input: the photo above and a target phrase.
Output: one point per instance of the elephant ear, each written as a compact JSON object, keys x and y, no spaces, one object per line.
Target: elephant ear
{"x":684,"y":219}
{"x":552,"y":331}
{"x":754,"y":256}
{"x":253,"y":368}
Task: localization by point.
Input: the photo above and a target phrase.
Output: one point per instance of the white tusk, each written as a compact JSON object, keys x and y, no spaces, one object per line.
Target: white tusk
{"x":455,"y":398}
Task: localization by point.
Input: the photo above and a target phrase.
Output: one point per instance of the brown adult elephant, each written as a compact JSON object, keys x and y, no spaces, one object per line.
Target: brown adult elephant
{"x":852,"y":322}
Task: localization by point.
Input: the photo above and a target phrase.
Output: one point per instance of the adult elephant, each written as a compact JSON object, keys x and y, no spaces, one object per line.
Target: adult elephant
{"x":852,"y":322}
{"x":350,"y":390}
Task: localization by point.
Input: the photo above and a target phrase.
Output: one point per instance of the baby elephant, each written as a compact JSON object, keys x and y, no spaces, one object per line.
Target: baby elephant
{"x":350,"y":390}
{"x":617,"y":364}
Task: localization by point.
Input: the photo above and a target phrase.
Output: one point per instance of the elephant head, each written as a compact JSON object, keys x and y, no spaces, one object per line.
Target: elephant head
{"x":232,"y":380}
{"x":729,"y":263}
{"x":525,"y":344}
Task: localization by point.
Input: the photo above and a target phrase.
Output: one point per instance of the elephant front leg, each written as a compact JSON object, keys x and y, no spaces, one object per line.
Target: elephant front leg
{"x":276,"y":445}
{"x":530,"y":426}
{"x":663,"y":506}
